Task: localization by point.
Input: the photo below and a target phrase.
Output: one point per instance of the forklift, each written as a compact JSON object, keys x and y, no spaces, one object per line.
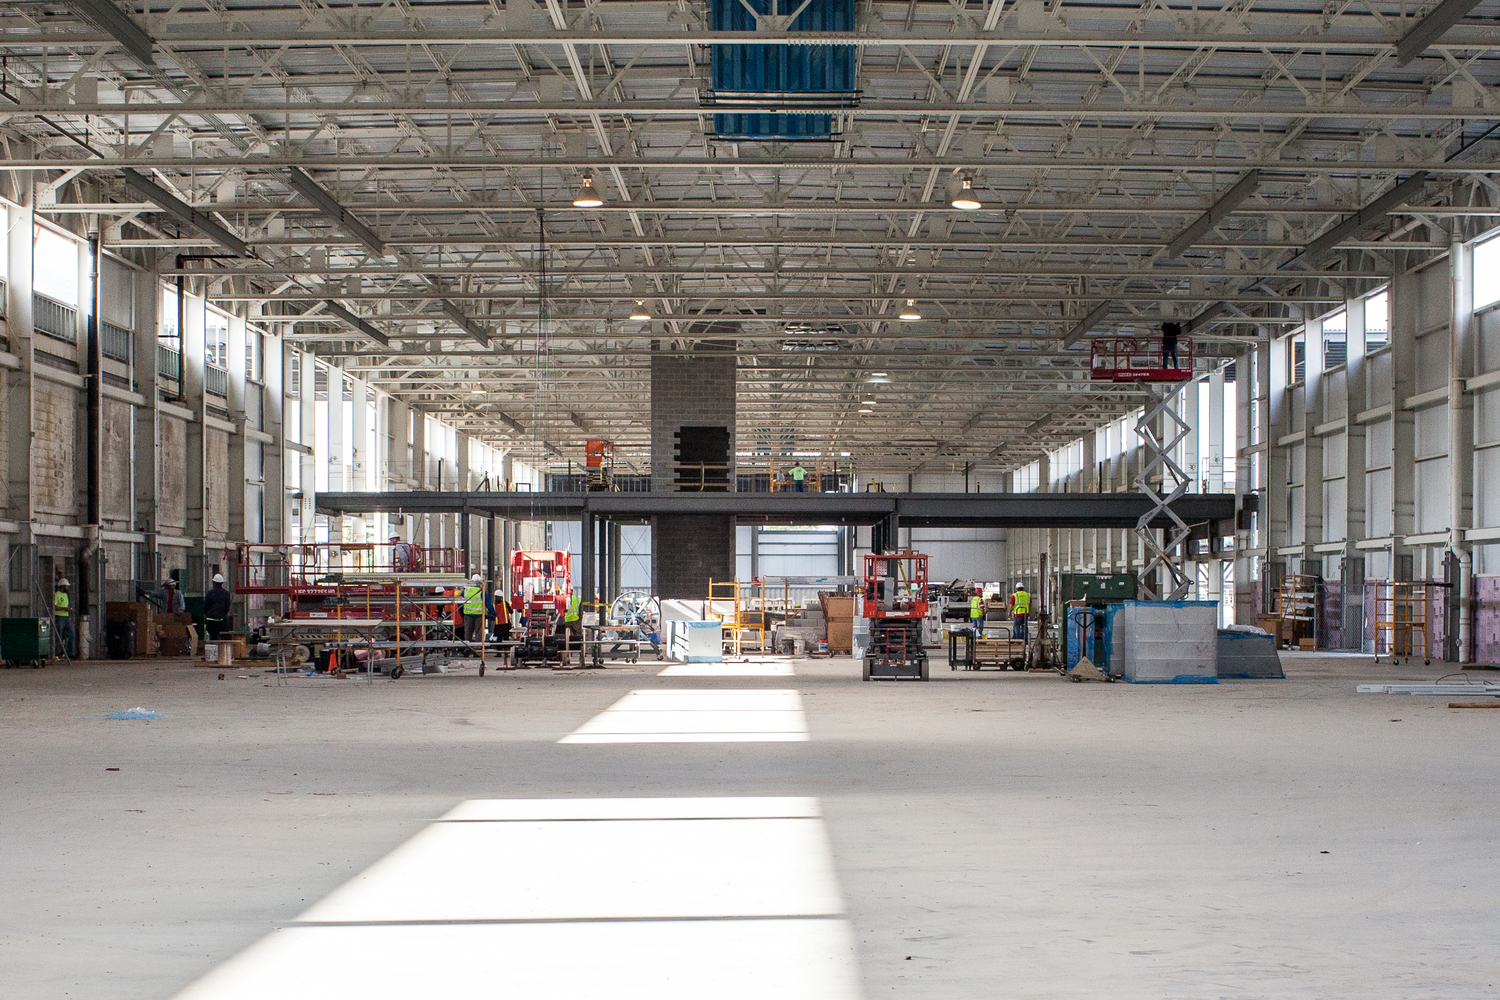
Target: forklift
{"x":895,"y":602}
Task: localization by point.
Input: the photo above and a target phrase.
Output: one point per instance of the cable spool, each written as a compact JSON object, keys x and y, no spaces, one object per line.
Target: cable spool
{"x":300,"y":655}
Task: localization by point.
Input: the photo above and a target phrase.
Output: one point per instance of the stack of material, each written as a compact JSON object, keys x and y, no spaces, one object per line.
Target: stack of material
{"x":147,"y":642}
{"x":808,"y":625}
{"x":174,"y":630}
{"x":838,"y":613}
{"x":1166,"y":642}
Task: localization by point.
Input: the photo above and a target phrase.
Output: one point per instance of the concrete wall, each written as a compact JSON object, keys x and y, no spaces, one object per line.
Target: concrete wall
{"x":699,"y":549}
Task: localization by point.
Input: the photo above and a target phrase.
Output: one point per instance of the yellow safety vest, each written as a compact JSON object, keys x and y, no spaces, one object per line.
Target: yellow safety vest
{"x":60,"y":604}
{"x":976,"y":607}
{"x":474,"y":601}
{"x":1023,"y":603}
{"x":574,"y":603}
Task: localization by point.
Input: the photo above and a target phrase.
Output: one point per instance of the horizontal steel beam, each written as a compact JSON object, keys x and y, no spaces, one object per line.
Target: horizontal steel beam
{"x":1274,"y":34}
{"x":973,"y":510}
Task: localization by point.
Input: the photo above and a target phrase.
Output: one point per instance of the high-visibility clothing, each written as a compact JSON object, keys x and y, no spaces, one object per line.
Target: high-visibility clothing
{"x":976,"y":607}
{"x":1022,"y":605}
{"x":799,"y":473}
{"x":60,"y":604}
{"x":473,"y":600}
{"x":574,"y":604}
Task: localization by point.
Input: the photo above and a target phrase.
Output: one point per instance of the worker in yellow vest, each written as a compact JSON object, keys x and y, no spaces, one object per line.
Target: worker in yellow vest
{"x":1020,"y":607}
{"x":64,"y":640}
{"x":572,"y":622}
{"x":474,"y":609}
{"x":976,"y":610}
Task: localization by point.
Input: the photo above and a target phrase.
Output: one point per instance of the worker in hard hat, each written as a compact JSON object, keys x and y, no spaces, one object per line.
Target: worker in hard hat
{"x":976,"y":610}
{"x":1020,"y":608}
{"x":216,"y":608}
{"x":174,"y":602}
{"x":571,"y":622}
{"x":474,"y":609}
{"x":401,"y":560}
{"x":64,"y":639}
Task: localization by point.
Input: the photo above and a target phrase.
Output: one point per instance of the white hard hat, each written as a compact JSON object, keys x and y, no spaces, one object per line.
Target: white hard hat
{"x":218,"y":578}
{"x":437,"y":590}
{"x":475,"y":578}
{"x":395,"y":534}
{"x":64,"y":583}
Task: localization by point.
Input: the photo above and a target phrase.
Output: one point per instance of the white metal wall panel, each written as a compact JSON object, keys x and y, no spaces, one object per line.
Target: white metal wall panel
{"x":1296,"y":464}
{"x":1335,"y":396}
{"x":1296,"y":529}
{"x":1335,"y":455}
{"x":1487,"y":487}
{"x":794,"y":553}
{"x":1335,"y":521}
{"x":1434,"y":303}
{"x":1378,"y":372}
{"x":1432,"y":361}
{"x":962,"y":553}
{"x":1487,"y":417}
{"x":1432,"y":495}
{"x":1296,"y":399}
{"x":1378,"y":504}
{"x":1487,"y":331}
{"x":1379,"y":444}
{"x":1431,"y":427}
{"x":117,"y":294}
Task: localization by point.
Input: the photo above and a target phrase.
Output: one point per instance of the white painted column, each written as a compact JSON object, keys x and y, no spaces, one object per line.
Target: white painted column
{"x":308,"y":375}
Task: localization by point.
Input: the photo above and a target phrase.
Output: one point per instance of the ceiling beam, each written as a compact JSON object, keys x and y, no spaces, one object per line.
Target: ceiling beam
{"x":184,"y":213}
{"x":360,"y":324}
{"x":114,"y":22}
{"x":1432,"y":27}
{"x":464,"y":323}
{"x":329,"y":206}
{"x":1081,"y":330}
{"x":1407,"y":191}
{"x":1217,"y":213}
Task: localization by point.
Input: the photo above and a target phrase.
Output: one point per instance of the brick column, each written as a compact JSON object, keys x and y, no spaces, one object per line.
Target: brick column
{"x":690,"y":390}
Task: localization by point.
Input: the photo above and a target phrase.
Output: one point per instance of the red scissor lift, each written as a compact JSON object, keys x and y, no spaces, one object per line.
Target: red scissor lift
{"x":1139,"y":359}
{"x":540,"y":585}
{"x":895,"y":602}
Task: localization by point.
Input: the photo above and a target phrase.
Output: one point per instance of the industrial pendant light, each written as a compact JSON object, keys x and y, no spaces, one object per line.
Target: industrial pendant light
{"x":587,"y":196}
{"x":640,"y":314}
{"x":961,"y":194}
{"x":910,"y":312}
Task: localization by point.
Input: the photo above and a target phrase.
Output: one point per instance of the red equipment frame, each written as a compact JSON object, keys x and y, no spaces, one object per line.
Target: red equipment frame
{"x":295,"y":569}
{"x":550,"y":575}
{"x":908,"y":571}
{"x":1138,"y":359}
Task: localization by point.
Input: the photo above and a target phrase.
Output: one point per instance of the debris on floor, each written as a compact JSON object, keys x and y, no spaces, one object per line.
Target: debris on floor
{"x":135,"y":713}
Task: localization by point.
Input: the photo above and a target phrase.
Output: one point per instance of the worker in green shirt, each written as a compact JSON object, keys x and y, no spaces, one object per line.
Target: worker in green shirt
{"x":799,"y":478}
{"x":64,"y":639}
{"x":1020,"y":607}
{"x":474,"y":609}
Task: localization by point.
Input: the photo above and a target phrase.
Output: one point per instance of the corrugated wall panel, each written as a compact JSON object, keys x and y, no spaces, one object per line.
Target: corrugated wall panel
{"x":781,"y":69}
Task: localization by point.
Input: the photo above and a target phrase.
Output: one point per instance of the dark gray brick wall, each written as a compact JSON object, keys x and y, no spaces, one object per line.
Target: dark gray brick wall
{"x":688,"y":550}
{"x":695,"y":390}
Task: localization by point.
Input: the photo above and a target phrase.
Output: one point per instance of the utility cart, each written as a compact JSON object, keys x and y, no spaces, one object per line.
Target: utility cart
{"x":895,"y":602}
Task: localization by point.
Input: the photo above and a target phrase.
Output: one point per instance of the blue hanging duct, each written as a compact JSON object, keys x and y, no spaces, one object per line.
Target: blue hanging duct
{"x":817,"y":76}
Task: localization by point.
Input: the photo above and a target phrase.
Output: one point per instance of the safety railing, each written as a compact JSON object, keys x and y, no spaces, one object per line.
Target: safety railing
{"x":1141,"y":359}
{"x":51,"y":317}
{"x":168,"y":361}
{"x":215,"y":380}
{"x":114,"y":341}
{"x":284,"y":569}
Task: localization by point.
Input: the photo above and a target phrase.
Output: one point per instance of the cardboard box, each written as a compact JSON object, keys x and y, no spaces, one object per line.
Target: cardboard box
{"x":837,"y":607}
{"x":175,"y":633}
{"x":147,"y":642}
{"x":1307,"y":645}
{"x":840,"y":637}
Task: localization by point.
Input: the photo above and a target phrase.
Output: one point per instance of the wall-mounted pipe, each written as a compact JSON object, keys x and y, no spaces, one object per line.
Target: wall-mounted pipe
{"x":1460,"y":273}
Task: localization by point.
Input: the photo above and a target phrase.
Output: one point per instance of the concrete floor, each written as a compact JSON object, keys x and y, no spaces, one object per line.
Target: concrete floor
{"x":994,"y":835}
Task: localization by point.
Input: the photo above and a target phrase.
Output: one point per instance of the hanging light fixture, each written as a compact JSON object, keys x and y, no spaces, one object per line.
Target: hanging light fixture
{"x":587,"y":197}
{"x":961,"y":194}
{"x":640,"y":314}
{"x":909,"y":312}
